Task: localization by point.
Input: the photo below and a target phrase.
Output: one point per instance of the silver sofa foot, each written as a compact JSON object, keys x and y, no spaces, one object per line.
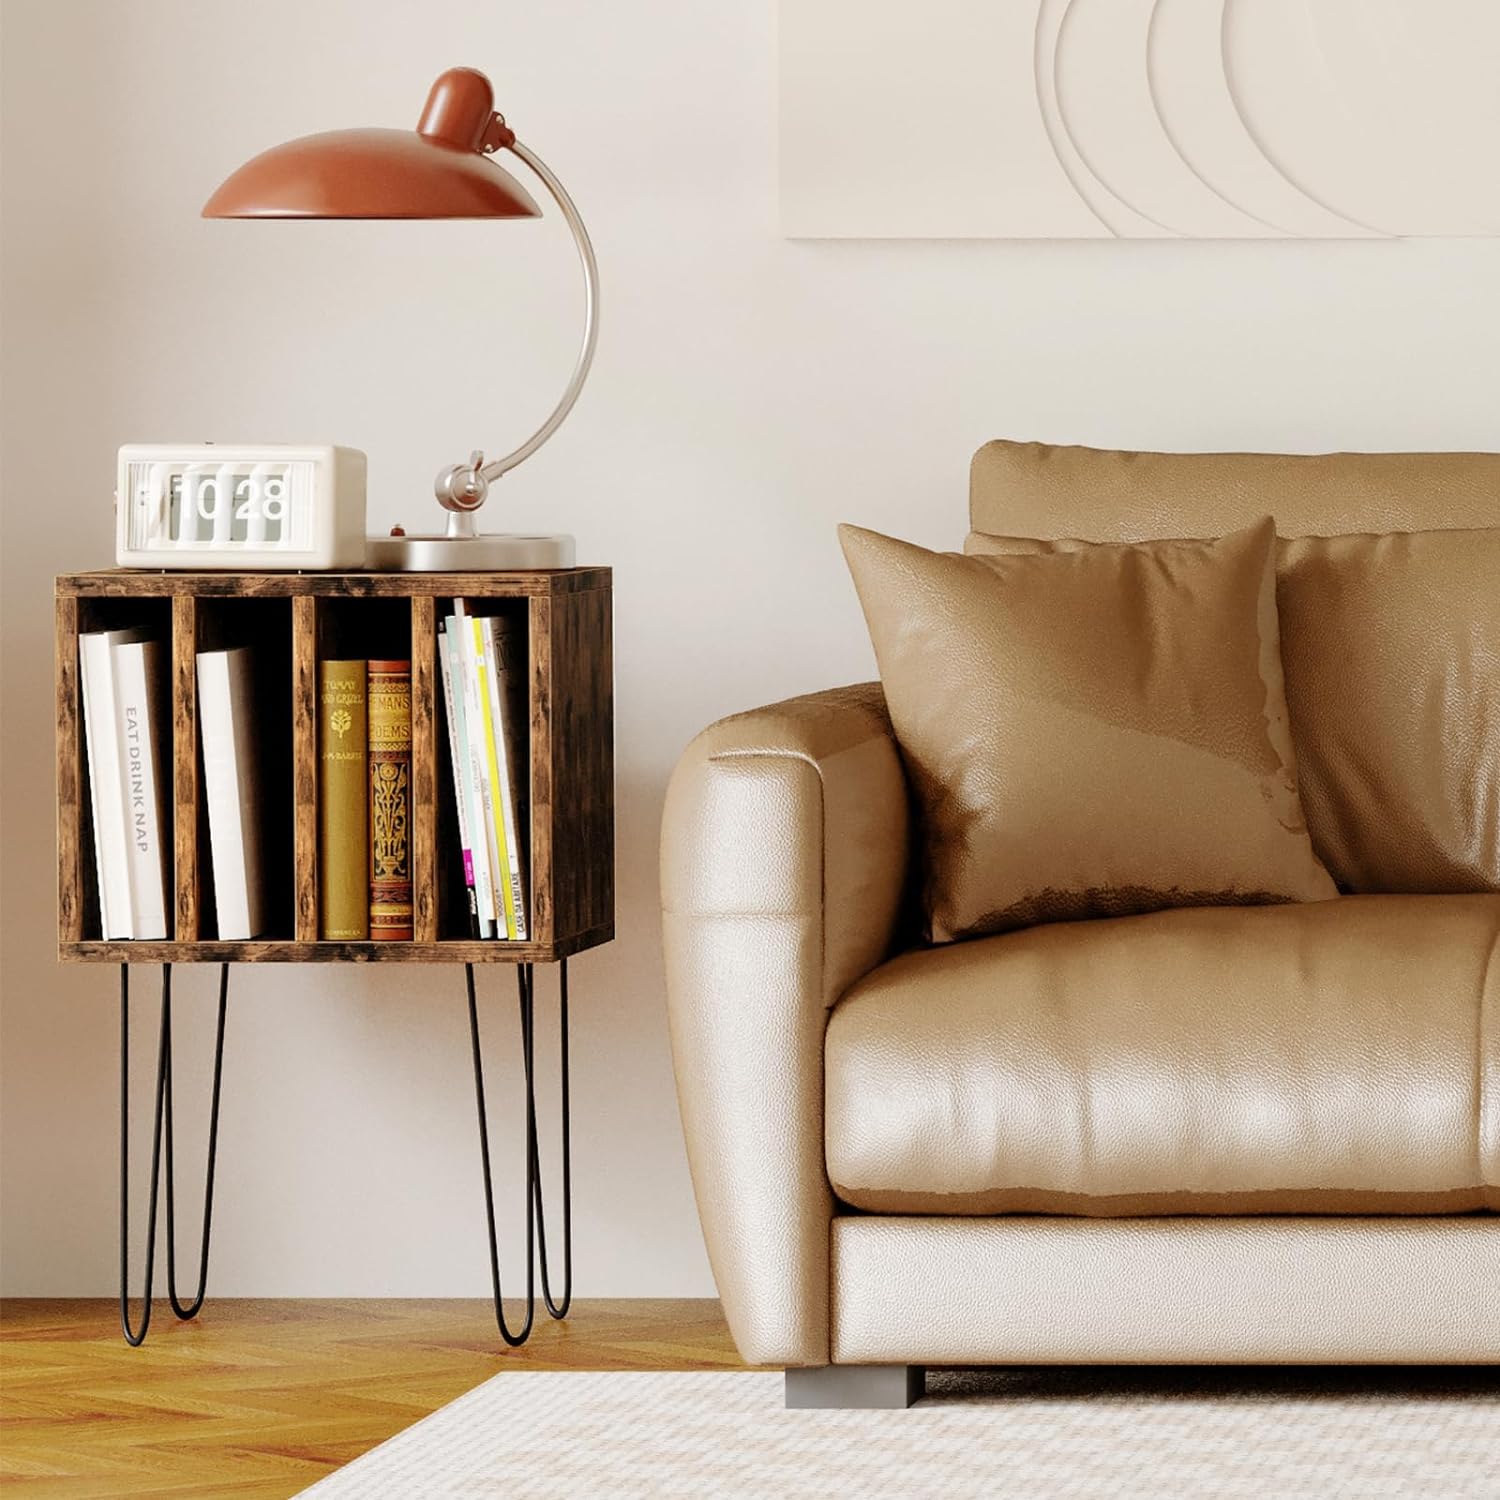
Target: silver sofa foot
{"x":869,"y":1387}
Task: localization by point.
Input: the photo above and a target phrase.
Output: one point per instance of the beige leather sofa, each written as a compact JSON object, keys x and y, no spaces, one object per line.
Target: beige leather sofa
{"x":1259,"y":1134}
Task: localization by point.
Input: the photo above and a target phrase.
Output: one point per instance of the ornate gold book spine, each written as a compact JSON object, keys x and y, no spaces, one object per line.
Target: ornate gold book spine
{"x":390,"y":801}
{"x":343,"y":885}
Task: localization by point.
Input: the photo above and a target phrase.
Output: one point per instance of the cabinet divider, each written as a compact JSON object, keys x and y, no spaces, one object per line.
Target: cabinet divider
{"x":424,"y":804}
{"x":539,"y":646}
{"x":305,"y":765}
{"x":185,"y":788}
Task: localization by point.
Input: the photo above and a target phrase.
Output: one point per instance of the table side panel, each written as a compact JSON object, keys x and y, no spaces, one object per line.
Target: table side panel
{"x":539,"y":645}
{"x":582,"y":753}
{"x":70,"y":872}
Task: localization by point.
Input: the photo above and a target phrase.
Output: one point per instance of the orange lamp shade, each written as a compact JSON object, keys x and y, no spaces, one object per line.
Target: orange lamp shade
{"x":440,"y":170}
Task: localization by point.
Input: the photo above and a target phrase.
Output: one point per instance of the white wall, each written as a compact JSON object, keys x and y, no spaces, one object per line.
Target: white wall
{"x":750,"y":393}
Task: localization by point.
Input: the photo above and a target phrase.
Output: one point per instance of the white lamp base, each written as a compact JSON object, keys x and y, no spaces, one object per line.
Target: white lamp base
{"x":467,"y":554}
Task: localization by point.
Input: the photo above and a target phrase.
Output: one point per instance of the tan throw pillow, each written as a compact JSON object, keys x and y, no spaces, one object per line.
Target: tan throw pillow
{"x":1090,"y":733}
{"x":1391,"y":645}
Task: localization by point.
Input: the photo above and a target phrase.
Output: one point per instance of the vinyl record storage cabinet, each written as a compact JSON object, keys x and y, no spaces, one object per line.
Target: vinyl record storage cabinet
{"x":294,"y":621}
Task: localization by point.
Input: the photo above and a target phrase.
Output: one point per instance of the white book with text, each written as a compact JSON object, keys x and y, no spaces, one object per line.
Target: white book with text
{"x":96,"y":675}
{"x":143,"y":731}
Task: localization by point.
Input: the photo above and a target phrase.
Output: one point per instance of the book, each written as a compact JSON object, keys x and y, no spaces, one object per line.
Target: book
{"x":102,"y":753}
{"x":144,"y":727}
{"x":96,"y":676}
{"x":343,"y":794}
{"x":505,"y":649}
{"x":449,"y":670}
{"x":487,"y":857}
{"x":390,"y":801}
{"x":494,"y":780}
{"x":471,"y":760}
{"x":232,"y":790}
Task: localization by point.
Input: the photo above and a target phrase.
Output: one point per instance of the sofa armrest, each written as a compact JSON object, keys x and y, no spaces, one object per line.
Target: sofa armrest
{"x":784,"y":856}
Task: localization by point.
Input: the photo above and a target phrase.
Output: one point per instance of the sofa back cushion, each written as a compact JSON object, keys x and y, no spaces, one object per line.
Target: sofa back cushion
{"x":1090,"y":733}
{"x":1039,"y":490}
{"x":1391,"y":646}
{"x":1390,"y":642}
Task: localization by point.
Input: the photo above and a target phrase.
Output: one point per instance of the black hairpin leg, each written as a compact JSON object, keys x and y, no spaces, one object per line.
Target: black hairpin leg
{"x":536,"y":1231}
{"x":555,"y":1309}
{"x":518,"y":1338}
{"x":162,"y":1117}
{"x":136,"y":1337}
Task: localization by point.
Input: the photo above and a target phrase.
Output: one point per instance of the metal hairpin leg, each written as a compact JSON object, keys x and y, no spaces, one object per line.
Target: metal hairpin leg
{"x":162,"y":1116}
{"x":555,"y":1309}
{"x":536,"y":1225}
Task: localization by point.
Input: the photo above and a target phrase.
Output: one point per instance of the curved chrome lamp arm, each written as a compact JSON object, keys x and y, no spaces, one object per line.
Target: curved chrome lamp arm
{"x":499,"y":466}
{"x":461,"y":488}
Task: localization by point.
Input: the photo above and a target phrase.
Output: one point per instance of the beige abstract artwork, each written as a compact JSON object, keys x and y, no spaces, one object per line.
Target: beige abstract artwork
{"x":1139,"y":119}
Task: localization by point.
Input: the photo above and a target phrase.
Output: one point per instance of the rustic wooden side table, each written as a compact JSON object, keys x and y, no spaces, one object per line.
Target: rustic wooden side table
{"x":294,"y":619}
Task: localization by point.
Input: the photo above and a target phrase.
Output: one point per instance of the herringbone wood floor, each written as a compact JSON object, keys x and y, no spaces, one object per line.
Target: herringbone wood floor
{"x":260,"y":1398}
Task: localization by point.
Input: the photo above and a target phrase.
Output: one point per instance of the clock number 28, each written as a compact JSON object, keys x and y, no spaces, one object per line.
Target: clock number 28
{"x":252,"y":498}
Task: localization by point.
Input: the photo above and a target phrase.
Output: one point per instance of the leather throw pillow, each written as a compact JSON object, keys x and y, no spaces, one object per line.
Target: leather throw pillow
{"x":1391,"y":645}
{"x":1392,"y":649}
{"x":1090,"y":733}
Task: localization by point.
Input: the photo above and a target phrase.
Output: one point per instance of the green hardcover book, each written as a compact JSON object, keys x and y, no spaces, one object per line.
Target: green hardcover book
{"x":343,"y":830}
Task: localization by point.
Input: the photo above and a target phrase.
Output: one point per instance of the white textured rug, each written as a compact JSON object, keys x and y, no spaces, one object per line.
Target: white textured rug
{"x":1166,"y":1434}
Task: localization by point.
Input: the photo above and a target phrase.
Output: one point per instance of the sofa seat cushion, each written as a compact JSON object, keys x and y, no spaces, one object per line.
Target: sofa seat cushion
{"x":1339,"y":1057}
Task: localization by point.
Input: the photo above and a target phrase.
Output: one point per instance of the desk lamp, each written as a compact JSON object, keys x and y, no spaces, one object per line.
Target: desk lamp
{"x":441,"y":170}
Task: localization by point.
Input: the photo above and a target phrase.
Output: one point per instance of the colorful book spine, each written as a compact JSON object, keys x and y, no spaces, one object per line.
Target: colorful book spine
{"x":493,"y":742}
{"x":486,"y":848}
{"x":458,"y":759}
{"x":466,"y":706}
{"x":505,"y":649}
{"x":343,"y":840}
{"x":390,"y":801}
